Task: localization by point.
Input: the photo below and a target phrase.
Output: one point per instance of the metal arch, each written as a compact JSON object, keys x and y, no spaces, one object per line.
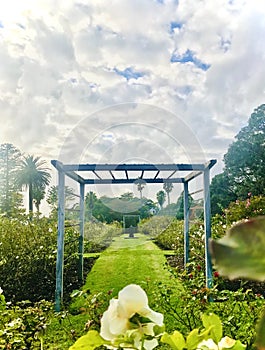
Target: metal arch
{"x":70,"y":170}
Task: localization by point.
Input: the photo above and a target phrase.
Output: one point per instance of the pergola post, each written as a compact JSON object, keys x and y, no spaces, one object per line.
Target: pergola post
{"x":81,"y":234}
{"x":60,"y":241}
{"x":186,"y":223}
{"x":207,"y":226}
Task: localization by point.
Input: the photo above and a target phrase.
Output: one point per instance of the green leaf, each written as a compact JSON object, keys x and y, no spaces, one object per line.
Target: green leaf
{"x":213,"y":321}
{"x":241,"y":252}
{"x":260,"y":339}
{"x":238,"y":346}
{"x":89,"y":341}
{"x":193,"y":339}
{"x":175,"y":340}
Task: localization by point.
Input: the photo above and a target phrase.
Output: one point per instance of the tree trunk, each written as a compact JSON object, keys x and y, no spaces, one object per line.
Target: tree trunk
{"x":30,"y":198}
{"x":168,"y":198}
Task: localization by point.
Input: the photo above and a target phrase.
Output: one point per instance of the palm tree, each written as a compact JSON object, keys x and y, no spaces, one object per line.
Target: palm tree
{"x":168,"y":187}
{"x":140,"y":186}
{"x":38,"y":195}
{"x":161,"y":197}
{"x":33,"y":175}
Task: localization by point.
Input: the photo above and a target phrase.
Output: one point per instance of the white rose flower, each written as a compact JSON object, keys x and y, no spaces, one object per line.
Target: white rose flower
{"x":116,"y":320}
{"x":224,"y":343}
{"x":209,"y":343}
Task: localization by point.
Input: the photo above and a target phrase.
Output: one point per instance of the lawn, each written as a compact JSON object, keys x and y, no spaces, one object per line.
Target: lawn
{"x":127,"y":260}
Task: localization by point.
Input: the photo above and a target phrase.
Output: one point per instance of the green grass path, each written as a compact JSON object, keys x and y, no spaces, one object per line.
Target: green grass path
{"x":136,"y":260}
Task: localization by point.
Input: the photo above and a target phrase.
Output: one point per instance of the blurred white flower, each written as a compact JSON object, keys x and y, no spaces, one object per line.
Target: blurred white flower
{"x":224,"y":343}
{"x":1,"y":290}
{"x":115,"y":321}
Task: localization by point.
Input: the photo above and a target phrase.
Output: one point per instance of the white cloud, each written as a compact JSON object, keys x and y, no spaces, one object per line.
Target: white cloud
{"x":63,"y":64}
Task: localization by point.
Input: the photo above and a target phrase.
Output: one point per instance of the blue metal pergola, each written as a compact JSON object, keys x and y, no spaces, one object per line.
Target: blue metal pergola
{"x":111,"y":174}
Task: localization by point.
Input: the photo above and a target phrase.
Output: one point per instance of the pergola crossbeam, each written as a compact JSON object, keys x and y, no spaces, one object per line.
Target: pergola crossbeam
{"x":134,"y":167}
{"x":130,"y":181}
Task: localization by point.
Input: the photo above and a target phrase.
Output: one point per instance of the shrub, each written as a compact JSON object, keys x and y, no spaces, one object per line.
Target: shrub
{"x":23,"y":325}
{"x":155,"y":225}
{"x":28,"y":250}
{"x":245,"y":209}
{"x":98,"y":235}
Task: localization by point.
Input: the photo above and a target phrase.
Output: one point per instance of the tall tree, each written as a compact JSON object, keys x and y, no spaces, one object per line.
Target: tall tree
{"x":180,"y":205}
{"x":245,"y":159}
{"x":10,"y":158}
{"x":33,"y":173}
{"x":161,"y":197}
{"x":52,"y":196}
{"x":221,"y":192}
{"x":140,"y":186}
{"x":38,"y":196}
{"x":168,"y":187}
{"x":90,"y":201}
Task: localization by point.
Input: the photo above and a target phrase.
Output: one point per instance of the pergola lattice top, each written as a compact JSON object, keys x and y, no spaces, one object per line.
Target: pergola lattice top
{"x":97,"y":172}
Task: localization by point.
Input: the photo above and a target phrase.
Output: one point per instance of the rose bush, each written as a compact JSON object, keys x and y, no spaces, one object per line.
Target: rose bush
{"x":129,"y":323}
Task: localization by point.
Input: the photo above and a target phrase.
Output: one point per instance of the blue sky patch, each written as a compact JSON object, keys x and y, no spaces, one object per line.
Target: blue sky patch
{"x":225,"y":44}
{"x":189,"y":56}
{"x":1,"y":25}
{"x":129,"y":73}
{"x":174,"y":25}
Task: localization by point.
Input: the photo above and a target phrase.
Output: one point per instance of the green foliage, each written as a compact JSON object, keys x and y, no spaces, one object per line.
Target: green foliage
{"x":245,"y":242}
{"x":34,"y":176}
{"x":244,"y":165}
{"x":168,"y":187}
{"x":155,"y":225}
{"x":98,"y":235}
{"x":245,"y":209}
{"x":222,"y":193}
{"x":161,"y":197}
{"x":108,"y":210}
{"x":172,"y":236}
{"x":89,"y":341}
{"x":22,"y":326}
{"x":52,"y":197}
{"x":28,"y":252}
{"x":238,"y":254}
{"x":10,"y":199}
{"x":180,"y":206}
{"x":244,"y":161}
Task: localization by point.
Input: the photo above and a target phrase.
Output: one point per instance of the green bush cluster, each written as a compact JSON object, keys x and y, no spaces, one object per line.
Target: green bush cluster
{"x":99,"y":235}
{"x":155,"y":225}
{"x":239,"y":310}
{"x":244,"y":209}
{"x":28,"y":249}
{"x":22,"y":326}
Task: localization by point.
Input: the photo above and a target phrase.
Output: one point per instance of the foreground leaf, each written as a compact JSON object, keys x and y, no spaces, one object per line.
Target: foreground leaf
{"x":260,"y":339}
{"x":241,"y":253}
{"x":90,"y":341}
{"x":175,"y":340}
{"x":214,"y":322}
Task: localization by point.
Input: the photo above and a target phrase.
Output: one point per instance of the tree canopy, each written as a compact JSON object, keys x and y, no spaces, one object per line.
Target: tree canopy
{"x":161,"y":197}
{"x":33,"y":175}
{"x":10,"y":158}
{"x":245,"y":158}
{"x":244,"y":165}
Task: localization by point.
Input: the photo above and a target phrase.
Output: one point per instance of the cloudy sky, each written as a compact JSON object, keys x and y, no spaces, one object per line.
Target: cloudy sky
{"x":129,"y":80}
